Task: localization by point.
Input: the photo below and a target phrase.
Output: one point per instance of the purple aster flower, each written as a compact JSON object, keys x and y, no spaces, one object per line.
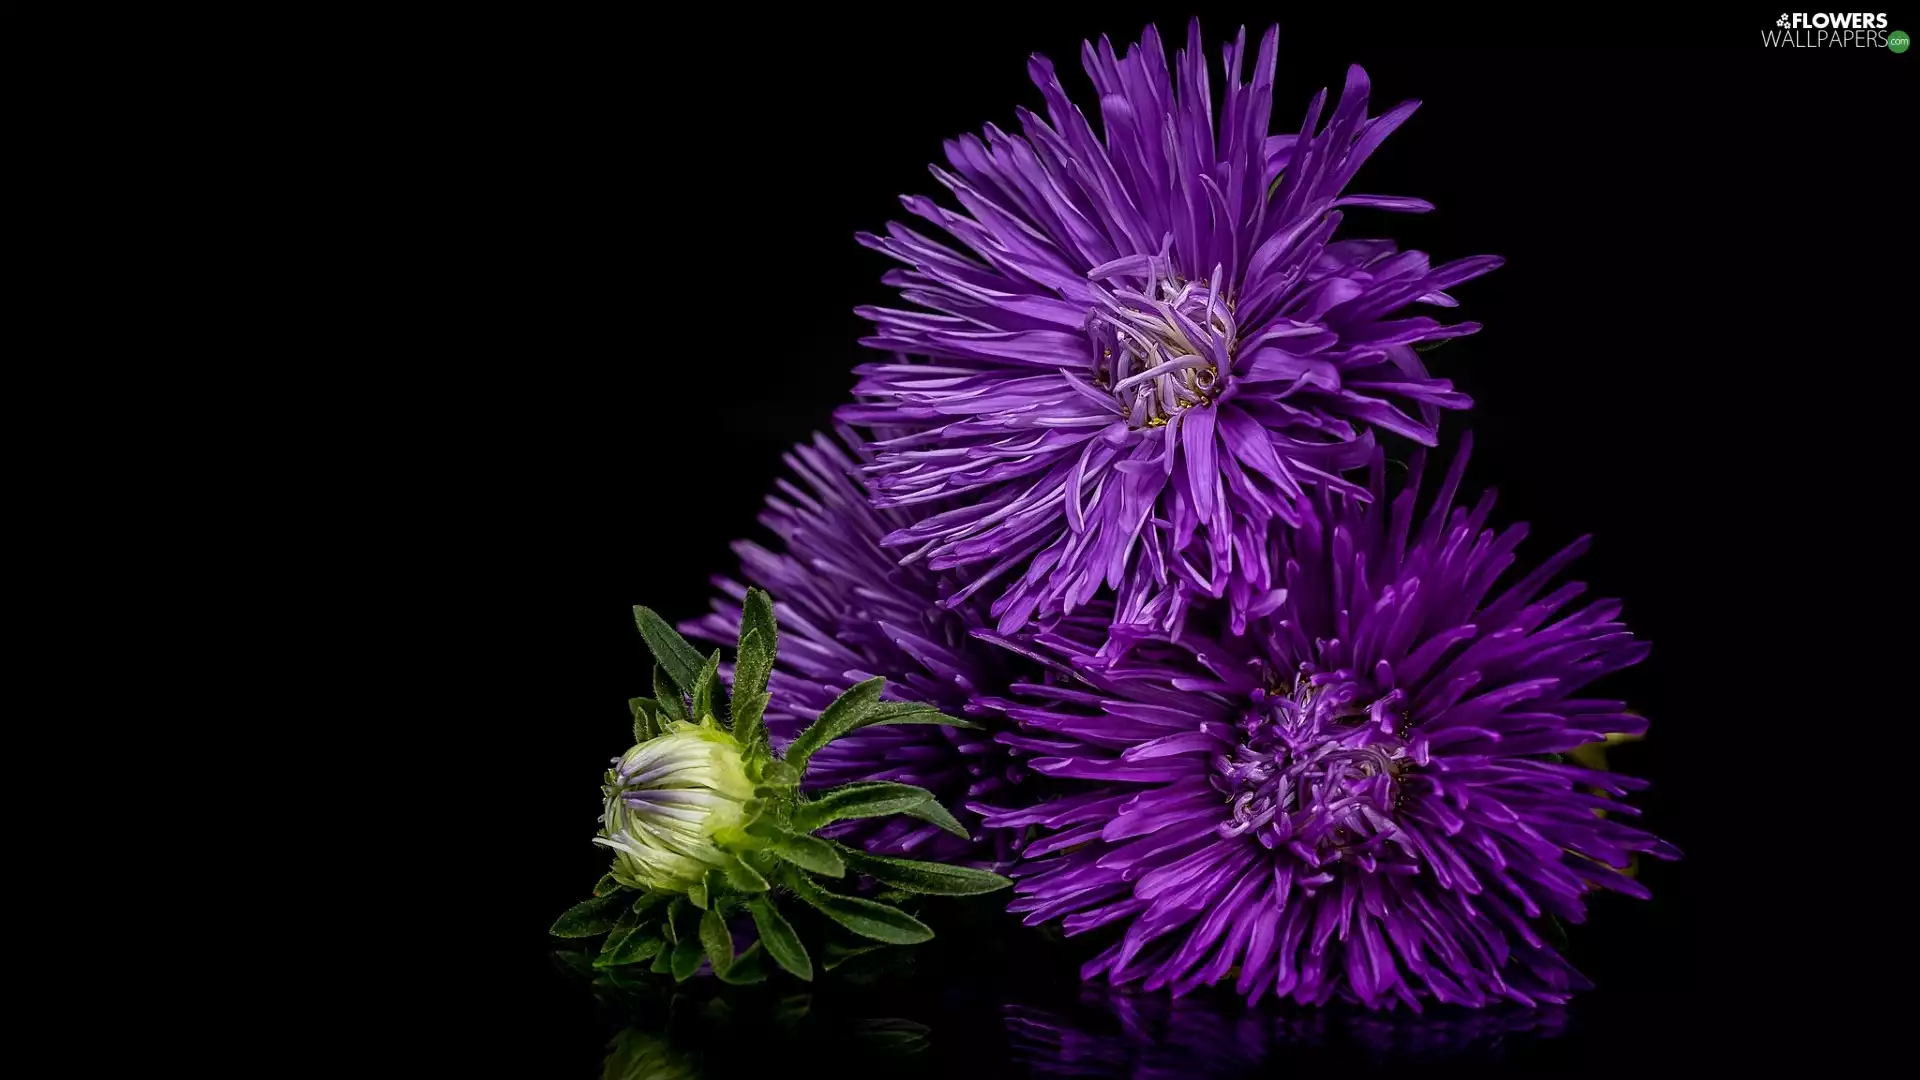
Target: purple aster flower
{"x":848,"y":612}
{"x":1363,"y":796}
{"x":1150,"y":344}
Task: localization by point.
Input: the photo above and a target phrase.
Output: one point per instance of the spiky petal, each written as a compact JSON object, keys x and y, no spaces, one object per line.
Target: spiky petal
{"x":1362,"y":797}
{"x":1136,"y":349}
{"x":847,"y":612}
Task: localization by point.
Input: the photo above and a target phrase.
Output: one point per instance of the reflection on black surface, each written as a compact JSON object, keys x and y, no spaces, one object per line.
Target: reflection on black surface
{"x":1114,"y":1034}
{"x":889,"y":1019}
{"x":703,"y":1028}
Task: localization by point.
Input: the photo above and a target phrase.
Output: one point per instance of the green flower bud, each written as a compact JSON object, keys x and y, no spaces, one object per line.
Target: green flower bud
{"x":666,"y":800}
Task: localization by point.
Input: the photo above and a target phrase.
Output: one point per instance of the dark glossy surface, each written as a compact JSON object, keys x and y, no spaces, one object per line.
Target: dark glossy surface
{"x":926,"y":1016}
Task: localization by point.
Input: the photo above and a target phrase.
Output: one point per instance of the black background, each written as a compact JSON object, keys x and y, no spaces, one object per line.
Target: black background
{"x":1697,"y":233}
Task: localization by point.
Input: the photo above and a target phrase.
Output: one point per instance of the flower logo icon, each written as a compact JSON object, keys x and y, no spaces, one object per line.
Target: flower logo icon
{"x":1781,"y":21}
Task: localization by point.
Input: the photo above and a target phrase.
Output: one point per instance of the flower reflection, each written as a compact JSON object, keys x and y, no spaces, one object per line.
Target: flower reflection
{"x":686,"y":1031}
{"x":641,"y":1055}
{"x":1148,"y":1036}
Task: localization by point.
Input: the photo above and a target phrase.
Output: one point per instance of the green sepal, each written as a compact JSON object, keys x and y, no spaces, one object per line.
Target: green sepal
{"x":779,"y":774}
{"x":686,"y":959}
{"x":932,"y":878}
{"x":623,"y":929}
{"x":651,"y":899}
{"x":632,"y":947}
{"x":668,"y":926}
{"x":752,"y":668}
{"x":681,"y":662}
{"x":741,"y":876}
{"x":749,"y":723}
{"x":667,"y":696}
{"x":708,"y":698}
{"x":715,"y":938}
{"x":933,"y":813}
{"x":630,"y":979}
{"x":705,"y":893}
{"x":589,"y":917}
{"x":861,"y":707}
{"x":876,"y":799}
{"x":1429,"y":346}
{"x":913,"y":712}
{"x":776,"y":933}
{"x":643,"y":709}
{"x":864,"y":917}
{"x":749,"y":967}
{"x":606,"y":886}
{"x":861,"y":800}
{"x":807,"y":852}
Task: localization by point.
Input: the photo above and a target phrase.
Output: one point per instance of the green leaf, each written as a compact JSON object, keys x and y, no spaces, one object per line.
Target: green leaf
{"x":634,"y":946}
{"x":749,"y":721}
{"x":913,"y":712}
{"x":864,"y":917}
{"x":836,"y":720}
{"x":643,"y":709}
{"x":861,"y":707}
{"x":708,"y":699}
{"x":667,"y":696}
{"x":776,"y":933}
{"x":922,"y":877}
{"x":590,"y":917}
{"x":697,"y":892}
{"x":606,"y":886}
{"x":780,"y":774}
{"x":876,"y":799}
{"x":748,"y":967}
{"x":662,"y":962}
{"x":716,"y":940}
{"x":752,"y":668}
{"x":623,"y":928}
{"x":673,"y":916}
{"x":682,"y":664}
{"x":806,"y":852}
{"x":933,"y":813}
{"x":686,"y":959}
{"x":743,"y":877}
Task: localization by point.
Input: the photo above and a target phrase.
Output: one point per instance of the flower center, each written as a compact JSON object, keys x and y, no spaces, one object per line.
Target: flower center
{"x":1320,"y":772}
{"x":1161,"y":350}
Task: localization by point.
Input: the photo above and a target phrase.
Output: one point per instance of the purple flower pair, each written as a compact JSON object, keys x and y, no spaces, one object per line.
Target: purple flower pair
{"x":1254,"y":720}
